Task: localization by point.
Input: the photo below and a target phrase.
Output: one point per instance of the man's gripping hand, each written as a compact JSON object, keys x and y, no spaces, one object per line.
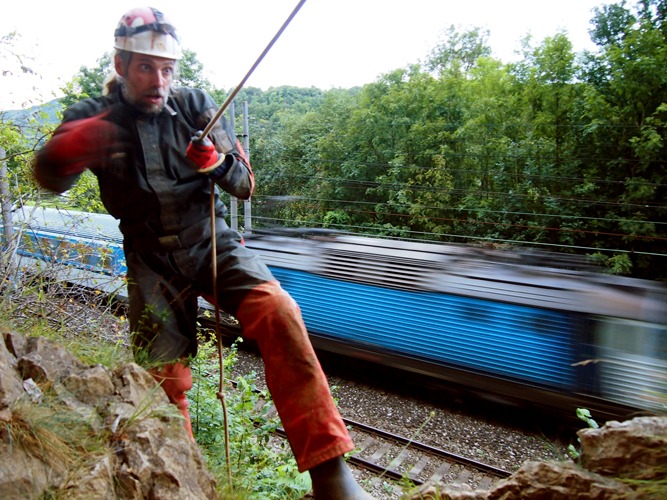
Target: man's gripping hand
{"x":86,"y":143}
{"x":203,"y":155}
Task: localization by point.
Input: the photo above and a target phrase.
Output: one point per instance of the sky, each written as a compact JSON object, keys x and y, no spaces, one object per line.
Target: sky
{"x":328,"y":44}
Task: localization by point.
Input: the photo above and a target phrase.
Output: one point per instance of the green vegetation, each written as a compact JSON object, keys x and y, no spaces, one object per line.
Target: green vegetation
{"x":584,"y":415}
{"x":261,"y":467}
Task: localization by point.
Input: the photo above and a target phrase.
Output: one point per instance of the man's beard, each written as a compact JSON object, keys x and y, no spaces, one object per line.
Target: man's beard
{"x":144,"y":107}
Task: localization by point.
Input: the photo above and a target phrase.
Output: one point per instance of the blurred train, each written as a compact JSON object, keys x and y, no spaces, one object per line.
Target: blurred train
{"x":526,"y":327}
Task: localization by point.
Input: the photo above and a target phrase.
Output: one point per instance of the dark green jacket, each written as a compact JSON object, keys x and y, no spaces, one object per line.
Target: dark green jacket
{"x":151,"y":188}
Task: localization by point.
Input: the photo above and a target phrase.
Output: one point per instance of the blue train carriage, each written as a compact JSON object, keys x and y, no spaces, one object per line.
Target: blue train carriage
{"x":483,"y":319}
{"x":78,"y":247}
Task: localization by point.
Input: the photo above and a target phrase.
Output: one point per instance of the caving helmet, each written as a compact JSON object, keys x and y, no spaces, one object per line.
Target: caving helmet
{"x":145,"y":30}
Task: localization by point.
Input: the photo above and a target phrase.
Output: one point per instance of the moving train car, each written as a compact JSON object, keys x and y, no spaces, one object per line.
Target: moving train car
{"x":79,"y":247}
{"x":533,"y":327}
{"x":493,"y":321}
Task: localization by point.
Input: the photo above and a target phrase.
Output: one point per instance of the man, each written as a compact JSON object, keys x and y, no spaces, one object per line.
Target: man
{"x":141,"y":139}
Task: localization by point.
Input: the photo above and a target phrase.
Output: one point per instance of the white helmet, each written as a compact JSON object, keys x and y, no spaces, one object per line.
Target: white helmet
{"x":145,"y":30}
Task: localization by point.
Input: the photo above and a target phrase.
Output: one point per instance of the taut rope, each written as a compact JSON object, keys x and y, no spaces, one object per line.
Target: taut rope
{"x":221,"y":394}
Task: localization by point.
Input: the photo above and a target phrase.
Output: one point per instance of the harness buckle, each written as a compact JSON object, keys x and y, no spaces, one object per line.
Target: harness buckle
{"x":169,"y":242}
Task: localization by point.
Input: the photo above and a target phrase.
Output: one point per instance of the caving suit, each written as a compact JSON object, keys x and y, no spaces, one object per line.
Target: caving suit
{"x":163,"y":206}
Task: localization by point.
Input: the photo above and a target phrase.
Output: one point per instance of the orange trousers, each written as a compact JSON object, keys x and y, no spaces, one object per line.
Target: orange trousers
{"x":298,"y":386}
{"x":176,"y":380}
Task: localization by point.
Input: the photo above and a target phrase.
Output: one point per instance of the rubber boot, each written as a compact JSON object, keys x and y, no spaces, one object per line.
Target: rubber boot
{"x":333,"y":480}
{"x":176,"y":379}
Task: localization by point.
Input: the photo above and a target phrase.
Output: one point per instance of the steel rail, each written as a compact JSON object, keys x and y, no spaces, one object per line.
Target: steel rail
{"x":430,"y":449}
{"x":396,"y":475}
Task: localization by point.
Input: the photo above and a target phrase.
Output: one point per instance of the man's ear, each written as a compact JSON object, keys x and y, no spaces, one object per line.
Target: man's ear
{"x":118,"y":65}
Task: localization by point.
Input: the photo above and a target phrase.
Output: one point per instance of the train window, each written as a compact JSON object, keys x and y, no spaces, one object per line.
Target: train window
{"x":632,"y":360}
{"x":633,"y":337}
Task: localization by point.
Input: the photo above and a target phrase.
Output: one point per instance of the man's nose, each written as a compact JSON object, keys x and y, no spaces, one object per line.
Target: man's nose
{"x":158,"y":79}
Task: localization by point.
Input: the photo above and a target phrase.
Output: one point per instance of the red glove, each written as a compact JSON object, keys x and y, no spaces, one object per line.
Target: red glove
{"x":84,"y":143}
{"x":202,"y":154}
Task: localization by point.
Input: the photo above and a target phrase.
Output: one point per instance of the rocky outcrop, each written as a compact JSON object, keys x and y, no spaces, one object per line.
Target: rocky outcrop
{"x":75,"y":431}
{"x":621,"y":460}
{"x":635,"y":450}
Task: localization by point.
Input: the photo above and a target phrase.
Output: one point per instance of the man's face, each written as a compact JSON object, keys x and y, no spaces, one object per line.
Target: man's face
{"x":147,"y":81}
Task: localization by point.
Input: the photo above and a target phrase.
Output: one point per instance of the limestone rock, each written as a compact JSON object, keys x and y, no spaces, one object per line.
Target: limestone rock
{"x":621,"y":460}
{"x":558,"y":481}
{"x":635,"y":449}
{"x":45,"y":360}
{"x":131,"y":443}
{"x":10,"y":382}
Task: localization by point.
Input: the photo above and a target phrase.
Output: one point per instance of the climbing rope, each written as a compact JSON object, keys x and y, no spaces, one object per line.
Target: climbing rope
{"x":218,"y":333}
{"x":231,"y":96}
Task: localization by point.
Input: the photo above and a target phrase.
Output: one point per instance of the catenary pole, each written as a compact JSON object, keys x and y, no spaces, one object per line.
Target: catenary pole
{"x":8,"y":240}
{"x":247,"y":226}
{"x":233,"y":201}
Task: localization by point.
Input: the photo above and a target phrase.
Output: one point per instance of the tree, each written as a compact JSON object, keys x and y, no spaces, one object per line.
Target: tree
{"x":21,"y":131}
{"x":546,"y":89}
{"x":459,"y":51}
{"x":625,"y":140}
{"x":191,"y":72}
{"x":88,"y":82}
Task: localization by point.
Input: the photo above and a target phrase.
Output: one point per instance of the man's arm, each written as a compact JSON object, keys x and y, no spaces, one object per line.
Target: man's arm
{"x":76,"y":145}
{"x":234,"y":174}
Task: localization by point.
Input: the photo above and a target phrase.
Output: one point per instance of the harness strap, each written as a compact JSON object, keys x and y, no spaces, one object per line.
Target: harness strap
{"x":170,"y":242}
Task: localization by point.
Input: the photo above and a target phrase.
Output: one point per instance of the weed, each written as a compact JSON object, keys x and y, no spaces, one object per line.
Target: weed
{"x":262,"y":466}
{"x":49,"y":433}
{"x":585,"y":415}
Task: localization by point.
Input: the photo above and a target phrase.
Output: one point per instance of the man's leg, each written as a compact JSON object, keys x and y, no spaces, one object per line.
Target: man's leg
{"x":162,"y":315}
{"x":300,"y":390}
{"x":176,"y":380}
{"x":317,"y":434}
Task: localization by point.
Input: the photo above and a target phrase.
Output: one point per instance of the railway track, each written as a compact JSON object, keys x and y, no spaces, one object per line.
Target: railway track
{"x":397,"y":457}
{"x":390,"y":457}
